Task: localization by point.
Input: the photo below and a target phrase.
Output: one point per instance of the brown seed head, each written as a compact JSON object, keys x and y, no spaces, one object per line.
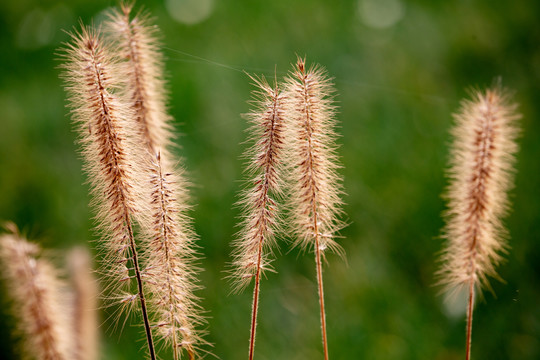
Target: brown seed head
{"x":316,"y":187}
{"x":264,"y":168}
{"x":481,"y":173}
{"x":39,"y":298}
{"x":93,"y":77}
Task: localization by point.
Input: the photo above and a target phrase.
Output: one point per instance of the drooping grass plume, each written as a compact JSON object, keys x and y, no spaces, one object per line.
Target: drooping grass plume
{"x":93,"y":76}
{"x":265,"y":162}
{"x":315,"y":184}
{"x":84,"y":317}
{"x":138,"y":44}
{"x":171,"y":270}
{"x":481,"y":173}
{"x":38,"y":297}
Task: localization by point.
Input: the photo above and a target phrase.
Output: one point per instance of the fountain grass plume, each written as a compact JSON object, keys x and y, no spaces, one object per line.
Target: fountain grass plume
{"x":93,"y":77}
{"x":39,"y":298}
{"x":253,"y":247}
{"x":315,"y":185}
{"x":137,"y":40}
{"x":169,"y":239}
{"x":481,"y":174}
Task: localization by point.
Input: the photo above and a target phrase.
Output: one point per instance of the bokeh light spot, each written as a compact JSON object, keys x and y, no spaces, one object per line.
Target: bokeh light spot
{"x":380,"y":14}
{"x":189,"y":12}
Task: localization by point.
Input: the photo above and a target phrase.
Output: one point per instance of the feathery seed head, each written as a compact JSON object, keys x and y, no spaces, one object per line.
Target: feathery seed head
{"x":93,"y":77}
{"x":170,"y":274}
{"x":481,"y":173}
{"x":316,"y":187}
{"x":171,"y":270}
{"x":253,"y":247}
{"x":38,"y":298}
{"x":138,"y":45}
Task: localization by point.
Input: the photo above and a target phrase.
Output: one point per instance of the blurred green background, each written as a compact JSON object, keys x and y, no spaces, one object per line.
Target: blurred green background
{"x":400,"y":68}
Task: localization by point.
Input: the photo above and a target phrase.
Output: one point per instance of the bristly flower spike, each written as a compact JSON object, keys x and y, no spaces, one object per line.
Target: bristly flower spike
{"x":39,"y":298}
{"x":93,"y":76}
{"x":171,"y":268}
{"x":316,"y":187}
{"x":254,"y":245}
{"x":481,"y":173}
{"x":137,"y":41}
{"x":169,"y":239}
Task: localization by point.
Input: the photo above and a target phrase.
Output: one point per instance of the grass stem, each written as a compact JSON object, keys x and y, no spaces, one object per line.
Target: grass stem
{"x":470,"y":307}
{"x":255,"y":303}
{"x":142,"y":300}
{"x":321,"y":296}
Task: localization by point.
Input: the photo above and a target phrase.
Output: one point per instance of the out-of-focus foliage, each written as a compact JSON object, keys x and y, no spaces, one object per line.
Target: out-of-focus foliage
{"x":400,"y":69}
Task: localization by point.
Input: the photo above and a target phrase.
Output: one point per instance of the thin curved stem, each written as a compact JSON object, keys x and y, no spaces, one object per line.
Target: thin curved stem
{"x":470,"y":307}
{"x":321,"y":295}
{"x":255,"y":303}
{"x":142,"y":300}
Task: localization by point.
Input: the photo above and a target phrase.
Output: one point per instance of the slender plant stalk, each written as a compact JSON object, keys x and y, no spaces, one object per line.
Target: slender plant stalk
{"x":142,"y":299}
{"x":38,"y":298}
{"x":92,"y":75}
{"x":169,"y":247}
{"x":321,"y":294}
{"x":481,"y":173}
{"x":257,"y":237}
{"x":470,"y":306}
{"x":315,"y":184}
{"x":254,"y":311}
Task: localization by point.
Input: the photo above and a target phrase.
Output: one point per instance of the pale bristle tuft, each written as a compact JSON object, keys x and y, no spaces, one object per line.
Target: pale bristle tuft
{"x":264,"y":168}
{"x":94,"y":76}
{"x":253,"y":247}
{"x":171,"y":269}
{"x":138,"y":45}
{"x":316,"y":187}
{"x":481,"y":173}
{"x":170,"y":273}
